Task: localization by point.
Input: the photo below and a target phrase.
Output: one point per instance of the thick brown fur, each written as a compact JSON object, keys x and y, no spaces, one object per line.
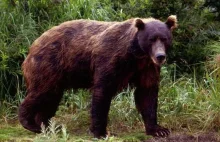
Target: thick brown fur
{"x":102,"y":56}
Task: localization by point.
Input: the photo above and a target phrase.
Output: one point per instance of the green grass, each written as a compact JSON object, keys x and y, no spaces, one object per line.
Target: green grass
{"x":58,"y":132}
{"x":11,"y":132}
{"x":186,"y":105}
{"x":191,"y":103}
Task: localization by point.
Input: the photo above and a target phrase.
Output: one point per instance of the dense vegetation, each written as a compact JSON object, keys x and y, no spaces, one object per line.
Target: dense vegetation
{"x":190,"y":89}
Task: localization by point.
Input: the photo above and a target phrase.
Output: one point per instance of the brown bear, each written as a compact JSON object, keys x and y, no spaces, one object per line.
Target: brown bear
{"x":102,"y":56}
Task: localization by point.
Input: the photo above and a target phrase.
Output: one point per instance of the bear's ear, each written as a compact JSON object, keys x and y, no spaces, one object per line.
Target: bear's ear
{"x":171,"y":22}
{"x":139,"y":24}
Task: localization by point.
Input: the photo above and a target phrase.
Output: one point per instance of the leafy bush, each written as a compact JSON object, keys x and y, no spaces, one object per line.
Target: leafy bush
{"x":192,"y":42}
{"x":214,"y":7}
{"x":17,"y":31}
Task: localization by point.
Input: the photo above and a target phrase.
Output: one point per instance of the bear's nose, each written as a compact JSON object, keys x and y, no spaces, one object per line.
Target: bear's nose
{"x":160,"y":57}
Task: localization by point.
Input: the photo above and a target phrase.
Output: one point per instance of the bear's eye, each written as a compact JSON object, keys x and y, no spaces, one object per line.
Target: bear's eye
{"x":163,"y":39}
{"x":154,"y":39}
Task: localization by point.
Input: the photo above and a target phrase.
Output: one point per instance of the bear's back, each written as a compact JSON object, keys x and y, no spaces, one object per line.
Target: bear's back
{"x":71,"y":30}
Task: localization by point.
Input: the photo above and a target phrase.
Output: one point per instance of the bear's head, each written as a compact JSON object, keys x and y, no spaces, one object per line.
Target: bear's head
{"x":155,"y":37}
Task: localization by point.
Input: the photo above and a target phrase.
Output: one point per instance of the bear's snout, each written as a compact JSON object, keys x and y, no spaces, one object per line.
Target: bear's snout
{"x":161,"y":58}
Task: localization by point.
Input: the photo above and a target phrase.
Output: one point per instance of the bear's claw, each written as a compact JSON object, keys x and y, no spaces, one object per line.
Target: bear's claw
{"x":158,"y":131}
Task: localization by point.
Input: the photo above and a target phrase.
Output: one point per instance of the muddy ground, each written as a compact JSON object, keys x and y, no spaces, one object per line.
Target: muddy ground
{"x":178,"y":137}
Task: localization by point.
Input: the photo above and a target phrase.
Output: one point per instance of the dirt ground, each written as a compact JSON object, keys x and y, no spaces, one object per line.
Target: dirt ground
{"x":178,"y":137}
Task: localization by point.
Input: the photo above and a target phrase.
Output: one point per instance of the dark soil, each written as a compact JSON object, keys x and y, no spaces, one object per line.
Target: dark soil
{"x":205,"y":137}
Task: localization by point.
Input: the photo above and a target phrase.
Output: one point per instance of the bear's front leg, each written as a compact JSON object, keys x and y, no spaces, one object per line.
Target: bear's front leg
{"x":101,"y":101}
{"x":146,"y":102}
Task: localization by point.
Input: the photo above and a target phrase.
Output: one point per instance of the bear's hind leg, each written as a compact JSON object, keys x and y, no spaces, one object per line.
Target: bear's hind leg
{"x":48,"y":108}
{"x":37,"y":109}
{"x":27,"y":111}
